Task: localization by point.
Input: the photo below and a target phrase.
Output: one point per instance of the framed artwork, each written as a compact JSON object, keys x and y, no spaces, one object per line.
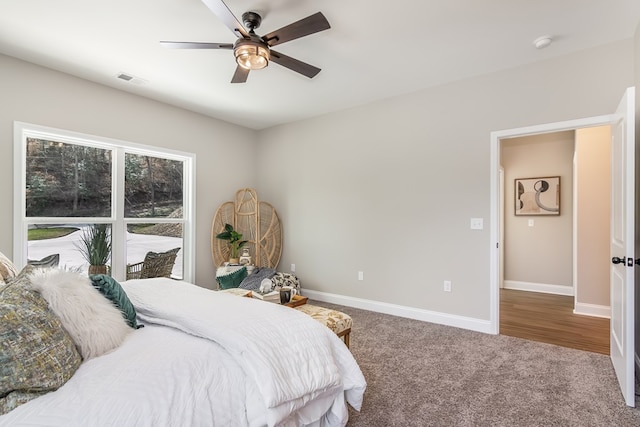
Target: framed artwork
{"x":537,"y":196}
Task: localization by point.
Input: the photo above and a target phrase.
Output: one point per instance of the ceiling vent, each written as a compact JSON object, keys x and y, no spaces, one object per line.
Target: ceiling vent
{"x":131,"y":79}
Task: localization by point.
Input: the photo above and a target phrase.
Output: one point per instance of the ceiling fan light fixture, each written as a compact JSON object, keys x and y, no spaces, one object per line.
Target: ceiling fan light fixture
{"x":251,"y":55}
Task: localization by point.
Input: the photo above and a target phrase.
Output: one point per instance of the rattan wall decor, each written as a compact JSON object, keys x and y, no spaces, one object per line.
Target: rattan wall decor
{"x":258,"y":223}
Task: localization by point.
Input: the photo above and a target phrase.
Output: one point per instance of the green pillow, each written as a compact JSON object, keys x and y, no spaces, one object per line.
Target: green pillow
{"x":112,"y":290}
{"x":233,"y":279}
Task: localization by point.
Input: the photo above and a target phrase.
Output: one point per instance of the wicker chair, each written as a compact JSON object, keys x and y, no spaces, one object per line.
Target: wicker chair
{"x":48,"y":261}
{"x":154,"y":265}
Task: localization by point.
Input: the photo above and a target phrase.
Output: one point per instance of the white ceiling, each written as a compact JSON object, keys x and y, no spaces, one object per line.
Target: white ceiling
{"x":374,"y":50}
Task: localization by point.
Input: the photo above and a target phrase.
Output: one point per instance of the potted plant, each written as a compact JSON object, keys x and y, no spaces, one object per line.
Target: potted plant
{"x":234,"y":242}
{"x":95,"y":246}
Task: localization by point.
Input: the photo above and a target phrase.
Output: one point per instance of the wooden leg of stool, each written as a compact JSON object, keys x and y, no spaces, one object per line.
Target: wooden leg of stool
{"x":345,"y":336}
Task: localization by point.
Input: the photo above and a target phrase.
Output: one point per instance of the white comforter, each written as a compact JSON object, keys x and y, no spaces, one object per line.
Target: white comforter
{"x":254,"y":364}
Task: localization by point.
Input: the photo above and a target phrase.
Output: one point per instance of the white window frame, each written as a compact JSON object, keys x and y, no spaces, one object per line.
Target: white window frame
{"x":22,"y":131}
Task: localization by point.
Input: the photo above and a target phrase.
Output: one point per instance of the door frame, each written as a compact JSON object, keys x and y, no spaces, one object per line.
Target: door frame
{"x":495,"y":198}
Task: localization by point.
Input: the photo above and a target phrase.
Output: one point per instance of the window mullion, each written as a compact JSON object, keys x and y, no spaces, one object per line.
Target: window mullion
{"x":118,"y":231}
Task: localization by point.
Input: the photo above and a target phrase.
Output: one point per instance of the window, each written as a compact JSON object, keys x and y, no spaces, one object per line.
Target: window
{"x":121,"y":200}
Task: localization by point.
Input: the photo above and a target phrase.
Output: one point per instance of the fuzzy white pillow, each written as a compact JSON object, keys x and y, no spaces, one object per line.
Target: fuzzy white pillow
{"x":92,"y":321}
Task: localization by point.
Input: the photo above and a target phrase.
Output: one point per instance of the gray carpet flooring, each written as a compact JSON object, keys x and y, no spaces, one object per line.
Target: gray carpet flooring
{"x":423,"y":374}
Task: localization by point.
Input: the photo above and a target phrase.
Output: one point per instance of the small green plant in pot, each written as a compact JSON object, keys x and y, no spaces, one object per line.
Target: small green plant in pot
{"x":95,"y":247}
{"x":235,"y":242}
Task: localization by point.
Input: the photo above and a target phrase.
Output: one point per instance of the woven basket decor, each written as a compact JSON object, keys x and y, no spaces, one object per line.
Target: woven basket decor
{"x":258,"y":223}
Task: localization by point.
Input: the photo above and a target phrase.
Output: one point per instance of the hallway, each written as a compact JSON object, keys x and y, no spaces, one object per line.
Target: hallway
{"x":549,"y":318}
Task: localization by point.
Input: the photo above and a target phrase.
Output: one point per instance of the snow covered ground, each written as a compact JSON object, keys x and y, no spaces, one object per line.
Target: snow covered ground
{"x":137,"y":247}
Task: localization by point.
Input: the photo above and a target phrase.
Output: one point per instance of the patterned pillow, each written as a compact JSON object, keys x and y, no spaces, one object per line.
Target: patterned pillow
{"x":112,"y":290}
{"x":285,"y":279}
{"x":37,"y":355}
{"x":7,"y":269}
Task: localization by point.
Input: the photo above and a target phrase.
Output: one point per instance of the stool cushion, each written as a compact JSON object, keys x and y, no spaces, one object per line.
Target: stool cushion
{"x":237,"y":291}
{"x":333,"y":319}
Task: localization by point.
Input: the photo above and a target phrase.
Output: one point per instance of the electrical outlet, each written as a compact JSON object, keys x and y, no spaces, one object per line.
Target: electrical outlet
{"x":447,"y":285}
{"x":293,"y":268}
{"x":360,"y":275}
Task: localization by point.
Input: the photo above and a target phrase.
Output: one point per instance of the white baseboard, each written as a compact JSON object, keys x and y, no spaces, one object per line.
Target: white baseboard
{"x":594,"y":310}
{"x":539,"y":287}
{"x":463,"y":322}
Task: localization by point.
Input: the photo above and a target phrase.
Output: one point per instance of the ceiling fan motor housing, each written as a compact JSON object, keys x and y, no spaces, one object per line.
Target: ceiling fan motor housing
{"x":251,"y":20}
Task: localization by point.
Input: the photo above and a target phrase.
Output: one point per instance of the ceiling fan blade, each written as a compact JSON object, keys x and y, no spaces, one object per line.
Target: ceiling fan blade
{"x":224,"y":14}
{"x":294,"y":64}
{"x":304,"y":27}
{"x":240,"y":76}
{"x":196,"y":45}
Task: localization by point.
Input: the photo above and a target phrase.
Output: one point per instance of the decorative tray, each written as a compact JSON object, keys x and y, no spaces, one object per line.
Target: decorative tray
{"x":297,"y":300}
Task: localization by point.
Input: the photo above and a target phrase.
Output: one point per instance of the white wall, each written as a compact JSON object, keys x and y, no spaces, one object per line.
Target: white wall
{"x":34,"y":94}
{"x":389,"y":188}
{"x":539,"y":258}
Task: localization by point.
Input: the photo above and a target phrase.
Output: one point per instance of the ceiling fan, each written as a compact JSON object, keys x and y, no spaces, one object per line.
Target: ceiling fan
{"x":253,"y":52}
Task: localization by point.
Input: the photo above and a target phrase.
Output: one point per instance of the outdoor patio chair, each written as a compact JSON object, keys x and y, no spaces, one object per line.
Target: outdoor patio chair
{"x":154,"y":265}
{"x":48,"y":261}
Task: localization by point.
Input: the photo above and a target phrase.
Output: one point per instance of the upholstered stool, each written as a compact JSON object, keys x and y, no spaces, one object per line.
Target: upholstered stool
{"x":338,"y":322}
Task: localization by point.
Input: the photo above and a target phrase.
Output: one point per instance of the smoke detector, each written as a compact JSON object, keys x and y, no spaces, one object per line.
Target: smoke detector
{"x":542,"y":42}
{"x":131,"y":79}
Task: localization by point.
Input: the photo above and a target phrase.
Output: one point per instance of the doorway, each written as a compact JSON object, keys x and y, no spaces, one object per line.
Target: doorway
{"x":563,"y":251}
{"x":496,"y":217}
{"x":556,"y":269}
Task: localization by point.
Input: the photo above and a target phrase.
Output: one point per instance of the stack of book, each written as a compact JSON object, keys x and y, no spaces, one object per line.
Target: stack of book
{"x":273,"y":296}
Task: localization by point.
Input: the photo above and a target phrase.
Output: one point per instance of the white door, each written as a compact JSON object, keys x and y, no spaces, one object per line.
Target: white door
{"x":623,"y":244}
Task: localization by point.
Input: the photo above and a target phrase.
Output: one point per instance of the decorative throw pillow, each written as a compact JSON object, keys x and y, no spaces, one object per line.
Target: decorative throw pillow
{"x":233,"y":279}
{"x":252,"y":281}
{"x":48,"y":261}
{"x":7,"y":269}
{"x":94,"y":323}
{"x":37,"y":355}
{"x":112,"y":290}
{"x":285,"y":279}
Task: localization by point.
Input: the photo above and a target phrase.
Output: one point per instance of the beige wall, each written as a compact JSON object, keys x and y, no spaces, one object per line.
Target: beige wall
{"x":389,"y":188}
{"x":541,"y":254}
{"x":593,"y":219}
{"x":41,"y":96}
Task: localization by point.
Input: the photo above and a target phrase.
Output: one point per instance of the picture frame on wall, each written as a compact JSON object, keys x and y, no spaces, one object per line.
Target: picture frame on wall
{"x":537,"y":196}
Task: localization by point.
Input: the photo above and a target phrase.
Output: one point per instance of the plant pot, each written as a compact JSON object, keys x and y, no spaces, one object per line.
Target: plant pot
{"x":234,"y":261}
{"x":97,"y":269}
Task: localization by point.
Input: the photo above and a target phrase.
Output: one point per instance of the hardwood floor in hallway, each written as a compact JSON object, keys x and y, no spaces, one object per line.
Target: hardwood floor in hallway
{"x":549,"y":318}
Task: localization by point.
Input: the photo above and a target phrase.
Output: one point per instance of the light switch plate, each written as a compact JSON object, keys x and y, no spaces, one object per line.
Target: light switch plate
{"x":477,"y":223}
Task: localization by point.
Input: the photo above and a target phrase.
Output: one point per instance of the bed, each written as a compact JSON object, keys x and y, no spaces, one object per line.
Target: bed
{"x":205,"y":358}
